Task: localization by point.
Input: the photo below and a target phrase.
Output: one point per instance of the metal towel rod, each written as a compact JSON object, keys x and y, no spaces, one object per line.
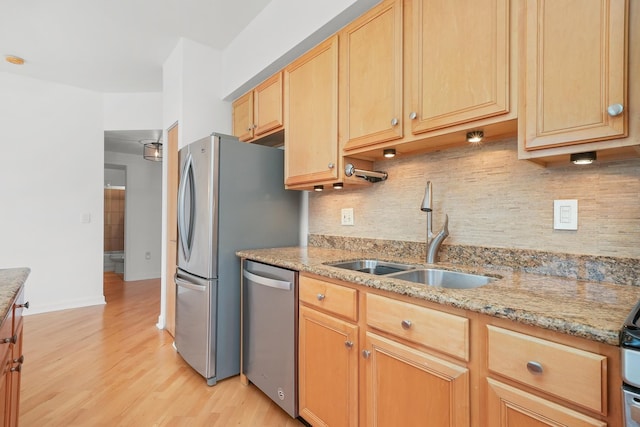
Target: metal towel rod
{"x":371,"y":176}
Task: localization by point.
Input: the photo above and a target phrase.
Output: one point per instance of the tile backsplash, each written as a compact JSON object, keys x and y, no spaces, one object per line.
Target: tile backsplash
{"x":493,"y":200}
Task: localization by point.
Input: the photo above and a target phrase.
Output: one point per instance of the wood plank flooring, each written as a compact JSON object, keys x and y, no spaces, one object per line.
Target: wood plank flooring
{"x":110,"y":366}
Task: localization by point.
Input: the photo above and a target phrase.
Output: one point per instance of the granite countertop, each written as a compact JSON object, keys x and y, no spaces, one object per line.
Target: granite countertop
{"x":11,"y":280}
{"x":591,"y":310}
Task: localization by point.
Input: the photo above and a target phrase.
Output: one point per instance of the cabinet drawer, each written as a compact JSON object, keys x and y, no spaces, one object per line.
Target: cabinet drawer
{"x":333,"y":298}
{"x":569,"y":373}
{"x":441,"y":331}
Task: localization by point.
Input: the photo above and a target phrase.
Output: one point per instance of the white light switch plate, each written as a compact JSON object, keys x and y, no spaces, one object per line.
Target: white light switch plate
{"x":565,"y":214}
{"x":346,"y":216}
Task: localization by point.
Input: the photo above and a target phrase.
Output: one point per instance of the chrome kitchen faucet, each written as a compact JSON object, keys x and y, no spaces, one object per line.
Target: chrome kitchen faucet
{"x":433,"y":242}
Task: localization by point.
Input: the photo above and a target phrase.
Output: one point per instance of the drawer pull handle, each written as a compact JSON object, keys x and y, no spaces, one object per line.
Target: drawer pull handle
{"x":320,"y":297}
{"x":25,"y":305}
{"x":366,"y":354}
{"x":348,"y":344}
{"x":11,"y":340}
{"x":406,"y":324}
{"x":534,"y":367}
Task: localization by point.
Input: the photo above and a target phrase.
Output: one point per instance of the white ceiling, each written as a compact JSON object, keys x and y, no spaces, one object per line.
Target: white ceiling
{"x":113,"y":45}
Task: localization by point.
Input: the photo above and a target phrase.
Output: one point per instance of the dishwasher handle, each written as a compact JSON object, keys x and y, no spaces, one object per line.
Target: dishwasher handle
{"x":266,"y":281}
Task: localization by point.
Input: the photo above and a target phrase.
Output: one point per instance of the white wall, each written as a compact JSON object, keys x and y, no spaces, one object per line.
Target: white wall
{"x":51,"y":175}
{"x":280,"y":33}
{"x":143,"y":215}
{"x":132,"y":111}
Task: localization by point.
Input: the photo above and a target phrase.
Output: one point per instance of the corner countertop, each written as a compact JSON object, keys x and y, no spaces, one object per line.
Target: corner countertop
{"x":11,"y":280}
{"x":591,"y":310}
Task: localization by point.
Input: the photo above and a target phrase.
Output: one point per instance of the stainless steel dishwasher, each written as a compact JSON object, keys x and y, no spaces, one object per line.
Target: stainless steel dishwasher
{"x":270,"y":331}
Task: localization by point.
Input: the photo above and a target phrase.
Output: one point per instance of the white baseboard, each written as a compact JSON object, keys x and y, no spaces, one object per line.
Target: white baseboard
{"x":64,"y":305}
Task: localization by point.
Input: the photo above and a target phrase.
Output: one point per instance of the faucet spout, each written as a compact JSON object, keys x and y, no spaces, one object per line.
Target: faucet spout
{"x":434,"y":246}
{"x":433,"y":242}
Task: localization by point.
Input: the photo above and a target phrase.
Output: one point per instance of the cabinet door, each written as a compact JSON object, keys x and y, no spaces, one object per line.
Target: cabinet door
{"x":512,"y":407}
{"x":243,"y":124}
{"x":311,"y":116}
{"x":268,"y":105}
{"x":371,"y":77}
{"x":460,"y":62}
{"x":575,"y":57}
{"x":328,"y":369}
{"x":407,"y":387}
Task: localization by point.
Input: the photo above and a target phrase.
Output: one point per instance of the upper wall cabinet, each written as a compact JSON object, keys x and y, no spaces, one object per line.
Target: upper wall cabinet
{"x":259,"y":113}
{"x":371,"y":77}
{"x":458,"y":65}
{"x":311,"y":116}
{"x":575,"y":81}
{"x":460,"y":62}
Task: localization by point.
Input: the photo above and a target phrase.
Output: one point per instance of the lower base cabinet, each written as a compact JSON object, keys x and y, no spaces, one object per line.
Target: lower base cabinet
{"x":328,"y":369}
{"x":512,"y":407}
{"x":407,"y":387}
{"x":369,"y":359}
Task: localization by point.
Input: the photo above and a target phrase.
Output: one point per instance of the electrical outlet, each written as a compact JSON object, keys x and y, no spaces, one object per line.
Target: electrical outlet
{"x":147,"y":255}
{"x":346,"y":216}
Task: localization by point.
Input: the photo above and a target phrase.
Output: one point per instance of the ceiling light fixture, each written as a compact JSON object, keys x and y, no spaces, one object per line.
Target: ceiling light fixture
{"x":475,"y":136}
{"x":584,"y":158}
{"x":318,"y":188}
{"x":389,"y":153}
{"x":14,"y":59}
{"x":152,"y":150}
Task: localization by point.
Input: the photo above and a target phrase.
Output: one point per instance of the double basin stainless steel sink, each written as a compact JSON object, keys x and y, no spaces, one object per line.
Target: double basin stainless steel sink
{"x":424,"y":276}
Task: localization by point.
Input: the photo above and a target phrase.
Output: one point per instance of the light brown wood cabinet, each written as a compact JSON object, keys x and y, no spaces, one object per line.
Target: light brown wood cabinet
{"x":401,"y":384}
{"x":259,"y":113}
{"x":513,"y":407}
{"x":311,"y":116}
{"x":371,"y":77}
{"x":404,"y":384}
{"x":575,"y":54}
{"x":460,"y":63}
{"x":372,"y":358}
{"x":459,"y":74}
{"x":11,"y":358}
{"x":328,"y":354}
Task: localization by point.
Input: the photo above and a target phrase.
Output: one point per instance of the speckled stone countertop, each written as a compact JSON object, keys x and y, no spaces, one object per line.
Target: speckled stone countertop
{"x":11,"y":280}
{"x":591,"y":310}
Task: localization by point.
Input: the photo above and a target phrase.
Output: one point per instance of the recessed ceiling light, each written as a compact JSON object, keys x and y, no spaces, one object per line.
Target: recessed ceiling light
{"x":14,"y":59}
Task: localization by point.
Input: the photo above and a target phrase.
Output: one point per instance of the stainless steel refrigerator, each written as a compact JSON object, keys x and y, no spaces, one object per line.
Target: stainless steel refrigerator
{"x":231,"y":196}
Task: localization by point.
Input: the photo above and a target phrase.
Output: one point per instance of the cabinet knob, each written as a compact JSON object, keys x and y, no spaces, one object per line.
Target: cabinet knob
{"x":320,"y":297}
{"x":348,"y":344}
{"x":250,"y":127}
{"x":19,"y":360}
{"x":534,"y":367}
{"x":615,"y":109}
{"x":331,"y":165}
{"x":366,"y":354}
{"x":413,"y":115}
{"x":25,"y":305}
{"x":394,"y":122}
{"x":16,"y":368}
{"x":406,"y":324}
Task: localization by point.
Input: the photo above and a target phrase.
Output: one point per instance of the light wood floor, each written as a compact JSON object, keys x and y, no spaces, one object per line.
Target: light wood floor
{"x":110,"y":366}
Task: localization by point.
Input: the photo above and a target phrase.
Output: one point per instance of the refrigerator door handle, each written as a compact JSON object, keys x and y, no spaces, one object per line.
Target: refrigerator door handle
{"x":265,"y":281}
{"x":185,"y":231}
{"x":189,"y":285}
